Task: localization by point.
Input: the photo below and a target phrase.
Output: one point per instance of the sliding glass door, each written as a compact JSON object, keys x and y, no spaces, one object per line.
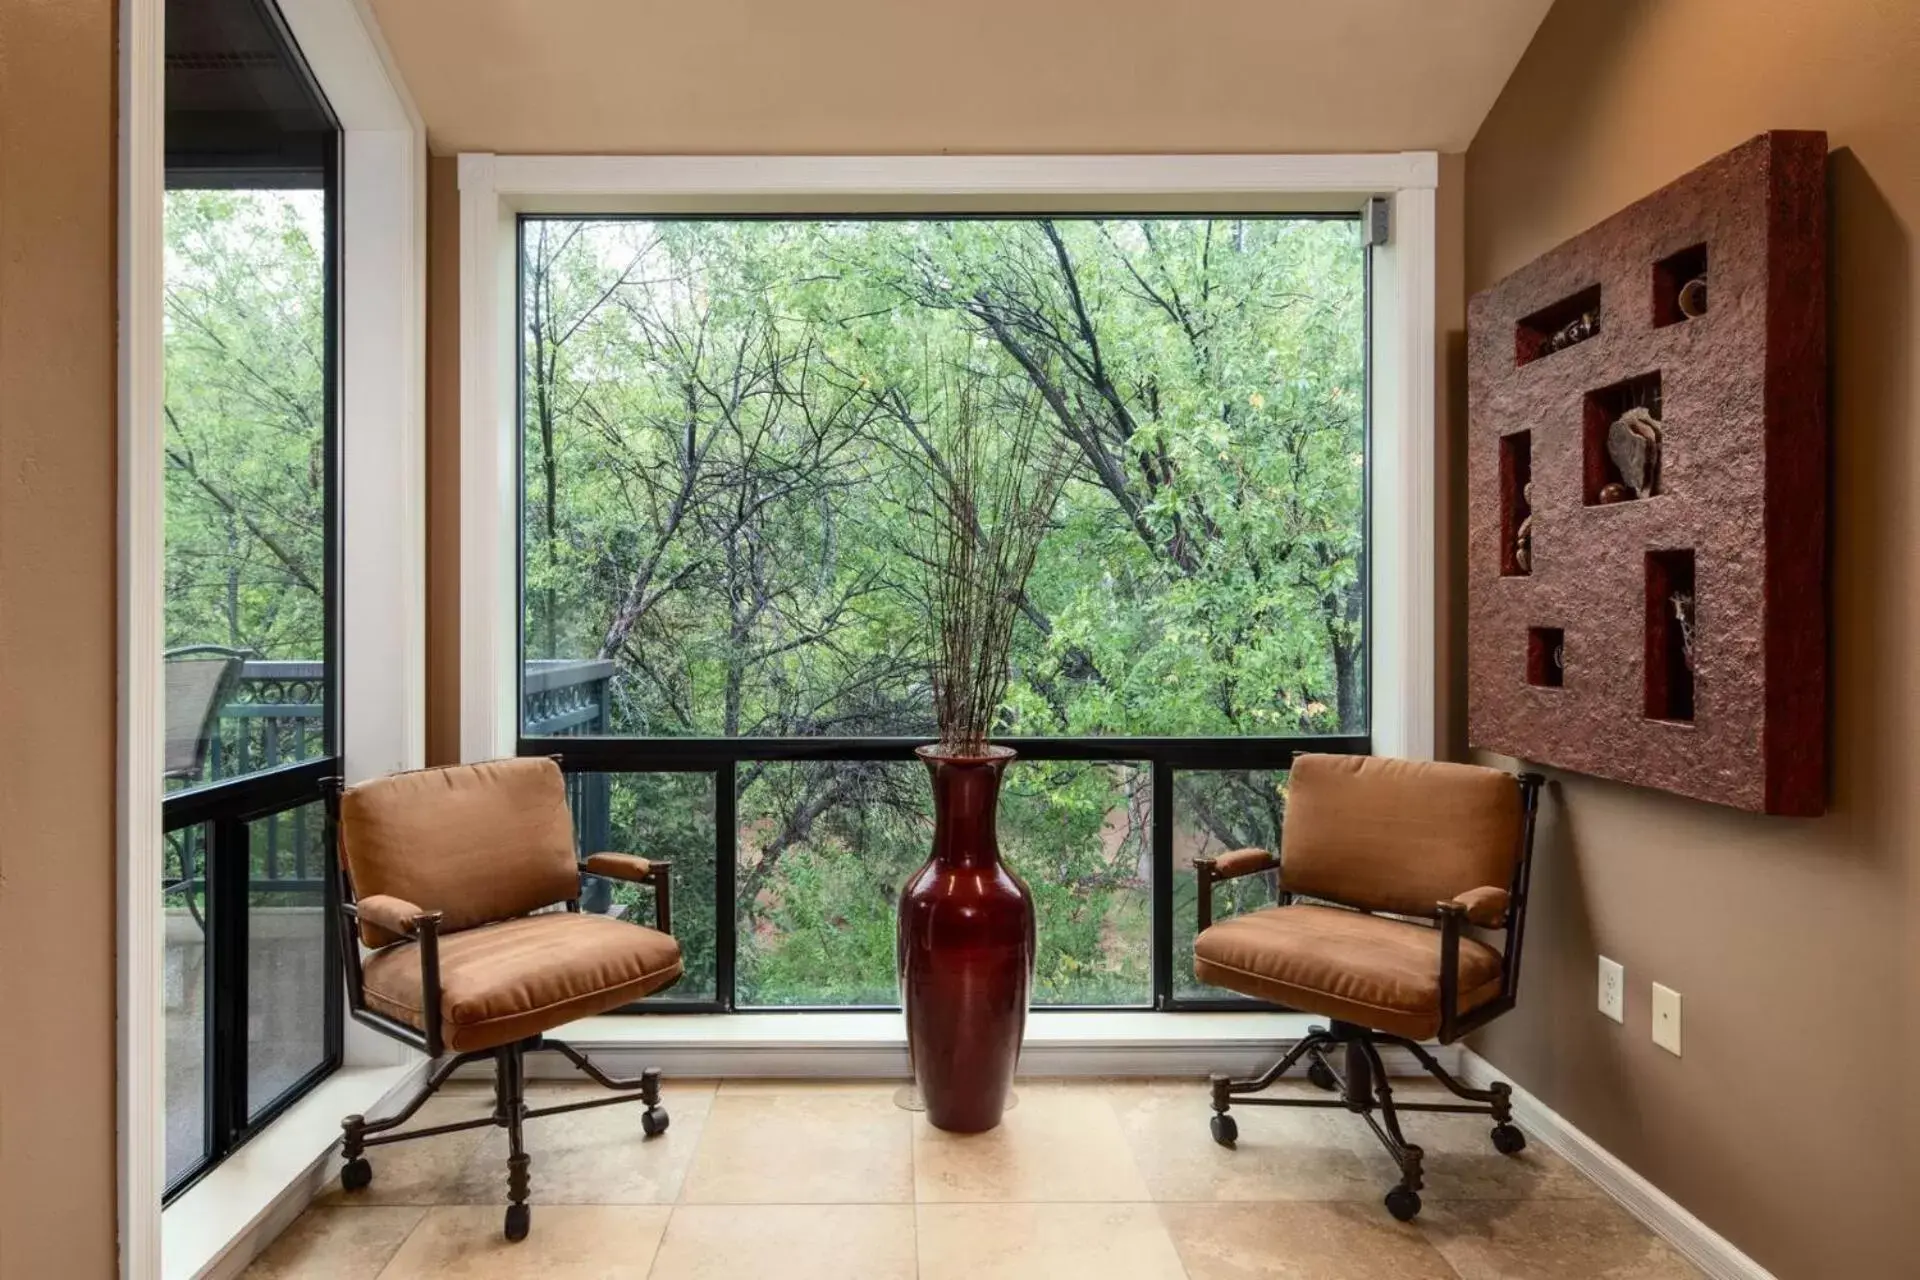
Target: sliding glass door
{"x":252,"y":583}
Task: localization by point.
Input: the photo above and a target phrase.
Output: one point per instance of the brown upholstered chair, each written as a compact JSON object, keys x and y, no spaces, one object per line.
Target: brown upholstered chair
{"x":444,"y":874}
{"x":1384,"y":868}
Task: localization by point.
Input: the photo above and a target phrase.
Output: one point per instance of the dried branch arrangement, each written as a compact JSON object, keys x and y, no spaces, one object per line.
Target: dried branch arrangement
{"x":1003,"y":471}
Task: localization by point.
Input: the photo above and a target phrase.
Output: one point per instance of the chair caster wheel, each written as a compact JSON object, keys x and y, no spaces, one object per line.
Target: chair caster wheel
{"x":653,"y":1121}
{"x":1226,"y":1130}
{"x":1321,"y":1076}
{"x":1508,"y":1140}
{"x":519,"y":1220}
{"x":1403,"y":1203}
{"x":355,"y":1174}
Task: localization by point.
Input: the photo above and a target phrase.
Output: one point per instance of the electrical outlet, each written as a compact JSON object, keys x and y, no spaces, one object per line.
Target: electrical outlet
{"x":1613,"y":989}
{"x":1666,"y":1018}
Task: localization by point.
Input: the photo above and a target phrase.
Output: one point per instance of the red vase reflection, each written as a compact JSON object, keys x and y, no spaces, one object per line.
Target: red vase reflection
{"x":966,"y":949}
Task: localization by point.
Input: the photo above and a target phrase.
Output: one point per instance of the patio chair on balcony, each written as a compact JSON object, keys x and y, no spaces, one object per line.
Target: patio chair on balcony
{"x":200,"y":680}
{"x":445,"y":873}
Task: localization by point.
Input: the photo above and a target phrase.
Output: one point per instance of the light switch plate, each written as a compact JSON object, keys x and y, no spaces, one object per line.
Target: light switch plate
{"x":1613,"y":989}
{"x":1666,"y":1018}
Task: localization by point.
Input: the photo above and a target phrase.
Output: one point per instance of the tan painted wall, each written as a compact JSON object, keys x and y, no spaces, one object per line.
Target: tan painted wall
{"x":1790,"y":1125}
{"x":443,"y":460}
{"x":1450,"y":404}
{"x":57,"y":627}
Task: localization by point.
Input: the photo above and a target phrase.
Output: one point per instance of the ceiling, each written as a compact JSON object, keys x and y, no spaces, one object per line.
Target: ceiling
{"x":880,"y":76}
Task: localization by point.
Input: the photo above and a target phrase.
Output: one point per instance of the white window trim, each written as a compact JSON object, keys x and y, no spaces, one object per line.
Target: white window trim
{"x":496,"y":188}
{"x":382,"y":477}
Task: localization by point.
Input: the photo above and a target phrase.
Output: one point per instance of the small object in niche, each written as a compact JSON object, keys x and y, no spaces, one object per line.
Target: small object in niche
{"x":1683,"y":614}
{"x":1633,"y":442}
{"x":1692,"y":299}
{"x":1613,"y":492}
{"x":1578,"y":329}
{"x":1523,"y":536}
{"x":1560,"y":657}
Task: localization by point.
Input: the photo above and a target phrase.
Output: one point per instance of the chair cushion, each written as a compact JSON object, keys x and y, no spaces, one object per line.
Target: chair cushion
{"x":1363,"y":969}
{"x":1396,"y":835}
{"x":502,"y":982}
{"x":475,"y":842}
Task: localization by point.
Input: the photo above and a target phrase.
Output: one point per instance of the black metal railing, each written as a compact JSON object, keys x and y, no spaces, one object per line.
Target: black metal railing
{"x":277,"y":716}
{"x":564,"y":698}
{"x":584,"y":755}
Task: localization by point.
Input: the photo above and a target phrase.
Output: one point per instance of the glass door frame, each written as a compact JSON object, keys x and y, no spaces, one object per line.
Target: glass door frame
{"x":228,"y":808}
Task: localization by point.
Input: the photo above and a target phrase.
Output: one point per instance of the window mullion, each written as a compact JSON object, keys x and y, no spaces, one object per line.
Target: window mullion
{"x":1162,"y":883}
{"x":726,"y":836}
{"x":226,"y":1022}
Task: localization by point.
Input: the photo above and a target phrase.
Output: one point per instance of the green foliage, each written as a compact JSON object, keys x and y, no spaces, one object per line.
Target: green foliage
{"x":245,"y":421}
{"x":727,"y":426}
{"x":669,"y":816}
{"x":731,"y":433}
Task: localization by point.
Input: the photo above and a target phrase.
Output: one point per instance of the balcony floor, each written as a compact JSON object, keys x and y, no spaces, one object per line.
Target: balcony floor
{"x":286,"y":984}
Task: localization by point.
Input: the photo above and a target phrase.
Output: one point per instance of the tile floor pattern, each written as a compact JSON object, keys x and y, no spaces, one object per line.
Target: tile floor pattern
{"x":1110,"y":1179}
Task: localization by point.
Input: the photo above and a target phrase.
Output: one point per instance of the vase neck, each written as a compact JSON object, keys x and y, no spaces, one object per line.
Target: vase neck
{"x":966,"y":798}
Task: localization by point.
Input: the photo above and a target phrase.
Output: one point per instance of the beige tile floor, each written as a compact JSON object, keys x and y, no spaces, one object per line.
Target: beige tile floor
{"x":1110,"y":1179}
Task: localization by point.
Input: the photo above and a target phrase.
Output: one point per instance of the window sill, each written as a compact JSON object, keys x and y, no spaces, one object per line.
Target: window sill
{"x":882,"y":1028}
{"x":874,"y":1044}
{"x":218,"y":1224}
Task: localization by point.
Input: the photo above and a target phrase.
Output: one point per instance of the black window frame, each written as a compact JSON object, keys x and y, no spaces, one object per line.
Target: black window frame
{"x":720,"y":758}
{"x":214,"y":153}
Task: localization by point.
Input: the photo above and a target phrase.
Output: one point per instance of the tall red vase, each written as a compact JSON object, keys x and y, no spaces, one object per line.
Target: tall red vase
{"x":966,"y":949}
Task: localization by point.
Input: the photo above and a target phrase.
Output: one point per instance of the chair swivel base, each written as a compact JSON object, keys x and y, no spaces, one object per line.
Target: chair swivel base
{"x":510,"y":1111}
{"x":1364,"y":1090}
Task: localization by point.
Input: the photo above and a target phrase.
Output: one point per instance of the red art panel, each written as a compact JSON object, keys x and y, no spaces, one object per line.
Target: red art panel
{"x":1647,"y":485}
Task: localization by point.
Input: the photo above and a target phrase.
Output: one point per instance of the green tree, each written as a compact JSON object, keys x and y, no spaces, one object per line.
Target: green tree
{"x":729,"y":425}
{"x":245,"y":421}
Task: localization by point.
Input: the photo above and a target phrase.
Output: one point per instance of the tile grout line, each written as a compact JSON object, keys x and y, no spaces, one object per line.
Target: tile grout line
{"x":913,"y":1182}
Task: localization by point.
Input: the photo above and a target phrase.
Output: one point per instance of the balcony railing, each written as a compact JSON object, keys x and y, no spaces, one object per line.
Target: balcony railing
{"x":276,"y":716}
{"x":569,"y":699}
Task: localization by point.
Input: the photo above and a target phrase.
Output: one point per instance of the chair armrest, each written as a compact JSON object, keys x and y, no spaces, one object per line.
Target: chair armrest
{"x":395,"y":915}
{"x":620,"y":866}
{"x":1485,"y":906}
{"x":401,"y":918}
{"x":1228,"y":866}
{"x":638,"y":870}
{"x":1243,"y":862}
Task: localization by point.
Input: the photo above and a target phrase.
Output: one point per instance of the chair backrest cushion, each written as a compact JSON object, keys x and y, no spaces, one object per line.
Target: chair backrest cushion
{"x":1397,"y":835}
{"x":476,"y":842}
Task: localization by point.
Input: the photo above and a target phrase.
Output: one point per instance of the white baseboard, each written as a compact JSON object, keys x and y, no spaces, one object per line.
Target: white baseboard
{"x":224,"y":1221}
{"x":1706,"y":1248}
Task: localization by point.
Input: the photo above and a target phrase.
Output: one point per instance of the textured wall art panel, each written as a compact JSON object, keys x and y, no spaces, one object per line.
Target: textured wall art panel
{"x":1647,"y":490}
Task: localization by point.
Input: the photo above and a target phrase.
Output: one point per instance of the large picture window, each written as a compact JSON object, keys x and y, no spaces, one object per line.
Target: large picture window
{"x":730,"y":429}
